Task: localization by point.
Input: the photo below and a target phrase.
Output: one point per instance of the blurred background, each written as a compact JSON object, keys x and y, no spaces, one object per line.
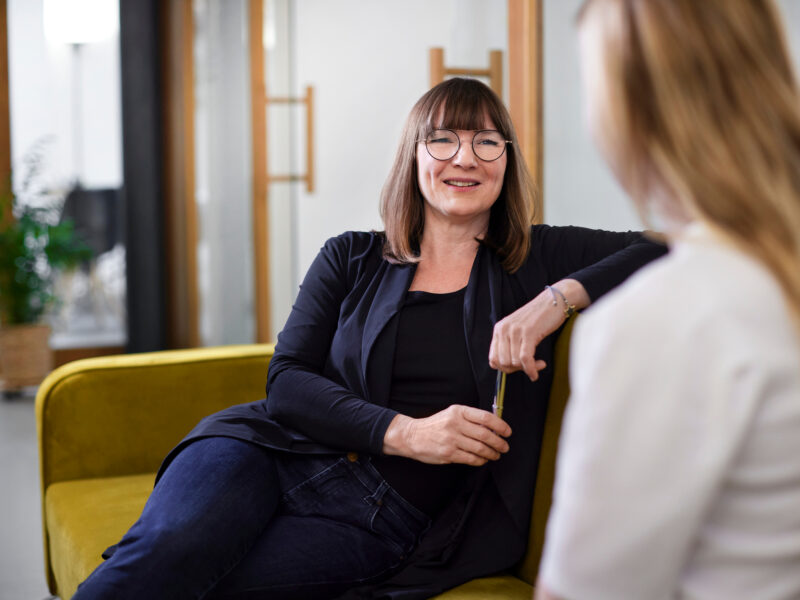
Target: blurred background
{"x":206,"y":149}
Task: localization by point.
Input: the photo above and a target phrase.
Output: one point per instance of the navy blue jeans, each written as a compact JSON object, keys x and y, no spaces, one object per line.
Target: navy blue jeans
{"x":229,"y":519}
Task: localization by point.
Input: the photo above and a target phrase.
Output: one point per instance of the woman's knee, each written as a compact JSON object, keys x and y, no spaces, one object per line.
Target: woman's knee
{"x":220,"y":465}
{"x":213,"y":486}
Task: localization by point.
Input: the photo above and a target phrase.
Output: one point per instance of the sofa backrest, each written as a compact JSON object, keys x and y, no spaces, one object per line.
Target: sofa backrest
{"x":120,"y":415}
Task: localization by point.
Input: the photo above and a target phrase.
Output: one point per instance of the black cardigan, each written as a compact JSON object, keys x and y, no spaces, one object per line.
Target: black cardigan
{"x":329,"y":379}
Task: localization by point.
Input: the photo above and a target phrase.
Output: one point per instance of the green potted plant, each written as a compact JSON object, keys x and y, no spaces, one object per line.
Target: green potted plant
{"x":34,"y":246}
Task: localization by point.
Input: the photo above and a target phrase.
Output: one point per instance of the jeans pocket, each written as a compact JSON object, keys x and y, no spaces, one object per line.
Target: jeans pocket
{"x":390,"y":521}
{"x":314,"y":494}
{"x":346,"y":492}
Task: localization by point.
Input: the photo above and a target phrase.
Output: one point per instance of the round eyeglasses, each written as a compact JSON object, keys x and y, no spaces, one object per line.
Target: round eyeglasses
{"x":444,"y":144}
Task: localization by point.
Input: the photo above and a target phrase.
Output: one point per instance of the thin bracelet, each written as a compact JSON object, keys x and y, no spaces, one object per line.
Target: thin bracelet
{"x":570,"y":308}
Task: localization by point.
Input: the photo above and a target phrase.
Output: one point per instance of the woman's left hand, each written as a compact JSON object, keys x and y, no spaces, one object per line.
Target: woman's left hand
{"x":516,"y":336}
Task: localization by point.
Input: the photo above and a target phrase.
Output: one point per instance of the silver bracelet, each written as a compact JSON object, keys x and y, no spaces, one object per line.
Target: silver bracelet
{"x":570,"y":308}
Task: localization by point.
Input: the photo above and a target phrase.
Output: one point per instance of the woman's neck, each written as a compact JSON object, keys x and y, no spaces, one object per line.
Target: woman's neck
{"x":439,"y":247}
{"x":443,"y":238}
{"x":446,"y":257}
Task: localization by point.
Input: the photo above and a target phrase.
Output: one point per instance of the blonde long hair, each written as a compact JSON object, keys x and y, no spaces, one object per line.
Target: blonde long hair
{"x":702,"y":98}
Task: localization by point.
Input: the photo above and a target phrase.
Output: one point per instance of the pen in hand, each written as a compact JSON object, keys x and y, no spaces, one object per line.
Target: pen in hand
{"x":499,"y":394}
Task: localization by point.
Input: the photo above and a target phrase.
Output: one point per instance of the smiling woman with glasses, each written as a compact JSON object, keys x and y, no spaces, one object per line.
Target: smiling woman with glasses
{"x":376,"y":466}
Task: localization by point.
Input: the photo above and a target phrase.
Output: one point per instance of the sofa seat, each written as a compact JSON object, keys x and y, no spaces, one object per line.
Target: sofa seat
{"x":86,"y":516}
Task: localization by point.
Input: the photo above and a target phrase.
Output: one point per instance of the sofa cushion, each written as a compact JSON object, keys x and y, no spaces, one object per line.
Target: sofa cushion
{"x":505,"y":587}
{"x":86,"y":516}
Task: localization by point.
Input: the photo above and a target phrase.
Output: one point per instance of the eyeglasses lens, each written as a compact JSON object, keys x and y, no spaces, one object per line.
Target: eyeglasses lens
{"x":443,"y":144}
{"x":488,"y":145}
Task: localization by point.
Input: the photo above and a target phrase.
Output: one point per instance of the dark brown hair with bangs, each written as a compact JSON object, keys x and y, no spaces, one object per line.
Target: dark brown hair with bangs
{"x":457,"y":103}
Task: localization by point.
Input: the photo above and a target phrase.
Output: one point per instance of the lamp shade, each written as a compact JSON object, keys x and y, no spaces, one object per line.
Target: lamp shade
{"x":80,"y":21}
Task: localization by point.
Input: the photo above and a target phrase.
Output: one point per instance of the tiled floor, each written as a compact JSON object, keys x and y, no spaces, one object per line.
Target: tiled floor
{"x":21,"y":565}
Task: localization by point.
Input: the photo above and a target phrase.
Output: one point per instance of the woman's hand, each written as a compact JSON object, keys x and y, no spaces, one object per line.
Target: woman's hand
{"x":458,"y":434}
{"x":516,"y":336}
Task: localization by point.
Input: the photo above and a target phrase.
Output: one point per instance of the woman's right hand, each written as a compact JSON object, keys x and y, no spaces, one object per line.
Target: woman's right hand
{"x":458,"y":434}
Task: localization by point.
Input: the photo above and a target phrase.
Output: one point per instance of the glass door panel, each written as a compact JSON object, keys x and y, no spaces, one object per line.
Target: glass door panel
{"x":223,"y":172}
{"x":66,"y":148}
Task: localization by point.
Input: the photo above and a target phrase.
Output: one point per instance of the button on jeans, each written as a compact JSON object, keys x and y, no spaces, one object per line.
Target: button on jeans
{"x":229,"y":519}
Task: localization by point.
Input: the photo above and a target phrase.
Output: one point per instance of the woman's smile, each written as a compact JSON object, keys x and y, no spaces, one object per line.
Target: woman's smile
{"x":461,"y":184}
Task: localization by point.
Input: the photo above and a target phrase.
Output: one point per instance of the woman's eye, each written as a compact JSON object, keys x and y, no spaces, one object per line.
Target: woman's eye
{"x":489,"y":143}
{"x":441,"y":141}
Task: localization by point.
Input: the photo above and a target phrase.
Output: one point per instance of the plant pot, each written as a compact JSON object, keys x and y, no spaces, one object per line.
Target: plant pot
{"x":25,"y":355}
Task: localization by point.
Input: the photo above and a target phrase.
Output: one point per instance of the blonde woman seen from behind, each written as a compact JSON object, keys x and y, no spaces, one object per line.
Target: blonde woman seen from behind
{"x":679,"y":467}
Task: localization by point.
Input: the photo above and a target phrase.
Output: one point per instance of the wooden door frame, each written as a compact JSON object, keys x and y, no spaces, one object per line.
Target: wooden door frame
{"x":179,"y":174}
{"x":260,"y":201}
{"x":525,"y":89}
{"x":180,"y":205}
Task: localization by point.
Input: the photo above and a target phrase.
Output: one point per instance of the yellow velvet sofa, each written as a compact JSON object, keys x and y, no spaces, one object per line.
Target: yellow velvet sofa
{"x":104,"y":425}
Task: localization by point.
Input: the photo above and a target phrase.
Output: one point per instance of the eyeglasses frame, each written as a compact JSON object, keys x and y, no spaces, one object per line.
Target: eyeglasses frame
{"x":471,"y":143}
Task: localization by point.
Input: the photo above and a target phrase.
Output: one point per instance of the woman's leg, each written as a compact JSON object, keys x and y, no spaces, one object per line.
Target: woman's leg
{"x":318,"y":559}
{"x":207,"y":510}
{"x":338,"y":528}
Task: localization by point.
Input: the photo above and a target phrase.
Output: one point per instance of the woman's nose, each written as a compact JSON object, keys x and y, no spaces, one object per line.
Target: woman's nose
{"x":465,"y":155}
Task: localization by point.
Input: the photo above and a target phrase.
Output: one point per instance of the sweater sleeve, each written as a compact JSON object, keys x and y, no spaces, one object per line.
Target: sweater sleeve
{"x":600,"y":260}
{"x":299,"y":395}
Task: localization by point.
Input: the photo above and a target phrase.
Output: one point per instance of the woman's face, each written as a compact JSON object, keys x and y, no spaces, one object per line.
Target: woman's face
{"x":463,"y":188}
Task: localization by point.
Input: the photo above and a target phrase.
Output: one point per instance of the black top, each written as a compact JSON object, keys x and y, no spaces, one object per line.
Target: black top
{"x":431,"y":371}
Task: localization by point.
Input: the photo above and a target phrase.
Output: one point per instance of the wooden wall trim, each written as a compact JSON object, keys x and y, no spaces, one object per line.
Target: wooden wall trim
{"x":179,"y":174}
{"x":438,"y":71}
{"x":258,"y":104}
{"x":525,"y":89}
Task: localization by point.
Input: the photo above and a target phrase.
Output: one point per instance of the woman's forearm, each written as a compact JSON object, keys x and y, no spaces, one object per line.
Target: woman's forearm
{"x":516,"y":337}
{"x":574,"y":292}
{"x":325,"y":411}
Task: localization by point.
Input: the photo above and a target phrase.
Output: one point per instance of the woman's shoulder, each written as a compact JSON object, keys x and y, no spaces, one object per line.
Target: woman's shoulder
{"x":352,"y":244}
{"x":544,"y":233}
{"x":352,"y":255}
{"x":358,"y":238}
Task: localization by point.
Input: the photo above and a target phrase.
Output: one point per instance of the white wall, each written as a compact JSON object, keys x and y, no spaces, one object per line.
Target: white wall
{"x":283,"y":121}
{"x":790,"y":10}
{"x":41,"y":101}
{"x":578,"y":188}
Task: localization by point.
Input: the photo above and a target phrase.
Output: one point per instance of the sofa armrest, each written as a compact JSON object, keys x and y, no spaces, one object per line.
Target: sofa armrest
{"x":120,"y":415}
{"x":545,"y":476}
